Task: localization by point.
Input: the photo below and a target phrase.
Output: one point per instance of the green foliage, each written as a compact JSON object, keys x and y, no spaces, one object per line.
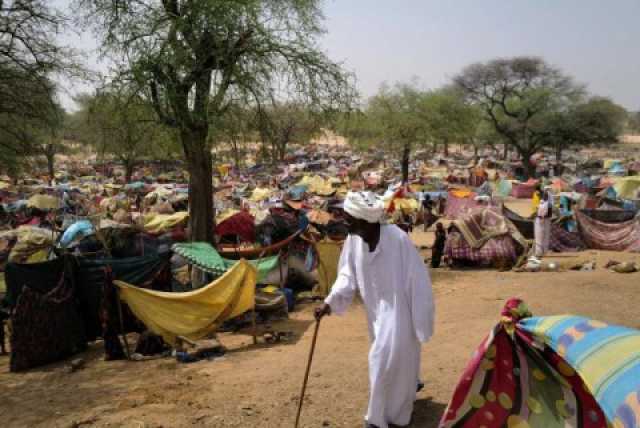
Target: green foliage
{"x":194,"y":58}
{"x":118,"y":122}
{"x":519,"y":96}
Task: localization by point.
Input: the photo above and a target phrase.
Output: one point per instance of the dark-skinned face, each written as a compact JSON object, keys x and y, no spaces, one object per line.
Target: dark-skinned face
{"x":355,"y":226}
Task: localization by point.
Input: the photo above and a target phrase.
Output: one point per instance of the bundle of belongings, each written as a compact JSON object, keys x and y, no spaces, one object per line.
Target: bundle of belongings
{"x":549,"y":372}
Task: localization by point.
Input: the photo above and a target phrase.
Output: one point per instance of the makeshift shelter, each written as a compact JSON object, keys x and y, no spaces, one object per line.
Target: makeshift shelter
{"x":484,"y":237}
{"x":43,"y":202}
{"x":193,"y":314}
{"x":328,"y":260}
{"x":459,"y":203}
{"x":628,"y":187}
{"x":240,"y":225}
{"x":206,"y":258}
{"x":157,"y":224}
{"x":549,"y":372}
{"x":524,"y":190}
{"x":623,"y":236}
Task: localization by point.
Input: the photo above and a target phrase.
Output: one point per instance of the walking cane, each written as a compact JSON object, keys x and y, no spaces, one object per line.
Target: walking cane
{"x":306,"y":374}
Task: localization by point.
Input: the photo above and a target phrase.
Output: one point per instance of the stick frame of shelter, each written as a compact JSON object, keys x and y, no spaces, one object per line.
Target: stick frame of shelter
{"x":122,"y":332}
{"x":306,"y":374}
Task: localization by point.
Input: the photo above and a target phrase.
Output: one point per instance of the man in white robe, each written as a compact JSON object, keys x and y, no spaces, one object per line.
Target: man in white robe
{"x":381,"y":262}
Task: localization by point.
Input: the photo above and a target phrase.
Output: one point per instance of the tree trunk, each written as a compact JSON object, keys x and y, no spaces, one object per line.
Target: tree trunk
{"x":446,"y":147}
{"x":505,"y":152}
{"x":558,"y":154}
{"x":529,"y":168}
{"x":475,"y":154}
{"x":198,"y":156}
{"x":51,"y":165}
{"x":128,"y":170}
{"x":405,"y":163}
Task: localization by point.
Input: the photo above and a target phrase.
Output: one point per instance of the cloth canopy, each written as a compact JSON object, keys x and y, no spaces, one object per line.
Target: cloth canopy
{"x":549,"y":372}
{"x":193,"y":314}
{"x":205,"y":257}
{"x":328,"y":258}
{"x":160,"y":223}
{"x":43,"y":202}
{"x":609,"y":236}
{"x":628,"y":187}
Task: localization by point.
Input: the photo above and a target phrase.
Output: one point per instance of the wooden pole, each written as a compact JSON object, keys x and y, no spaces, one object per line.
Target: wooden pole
{"x":306,"y":374}
{"x":254,"y":327}
{"x":124,"y":333}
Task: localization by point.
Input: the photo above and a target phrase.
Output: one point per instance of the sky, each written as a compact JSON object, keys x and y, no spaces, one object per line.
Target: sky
{"x":595,"y":41}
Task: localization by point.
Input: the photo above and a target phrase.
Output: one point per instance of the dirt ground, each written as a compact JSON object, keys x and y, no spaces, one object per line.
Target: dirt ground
{"x":258,"y":385}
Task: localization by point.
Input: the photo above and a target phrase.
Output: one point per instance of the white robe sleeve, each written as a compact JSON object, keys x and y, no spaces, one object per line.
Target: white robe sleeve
{"x":344,"y":288}
{"x":420,"y":296}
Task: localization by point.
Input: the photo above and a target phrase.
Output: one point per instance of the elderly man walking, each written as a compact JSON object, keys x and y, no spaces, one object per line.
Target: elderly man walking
{"x":381,"y":262}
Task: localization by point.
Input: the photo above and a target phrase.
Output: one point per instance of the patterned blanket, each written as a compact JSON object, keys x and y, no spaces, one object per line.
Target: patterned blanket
{"x":457,"y":249}
{"x":549,"y":372}
{"x":459,"y":204}
{"x":609,"y":236}
{"x":563,"y":241}
{"x":205,"y":257}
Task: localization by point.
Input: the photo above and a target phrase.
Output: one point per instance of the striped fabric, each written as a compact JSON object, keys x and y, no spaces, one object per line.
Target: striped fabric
{"x":606,"y":357}
{"x":609,"y":236}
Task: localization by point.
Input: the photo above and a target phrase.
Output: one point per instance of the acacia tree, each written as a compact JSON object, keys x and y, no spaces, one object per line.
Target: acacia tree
{"x":282,"y":124}
{"x":594,"y":121}
{"x":29,"y":57}
{"x":191,"y":55}
{"x":450,"y":118}
{"x":390,"y":120}
{"x":124,"y":126}
{"x":519,"y":96}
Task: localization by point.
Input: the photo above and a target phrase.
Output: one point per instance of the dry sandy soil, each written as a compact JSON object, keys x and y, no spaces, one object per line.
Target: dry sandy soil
{"x":258,"y":385}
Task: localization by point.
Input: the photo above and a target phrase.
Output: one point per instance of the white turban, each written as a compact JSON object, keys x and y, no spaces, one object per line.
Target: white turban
{"x":366,"y":206}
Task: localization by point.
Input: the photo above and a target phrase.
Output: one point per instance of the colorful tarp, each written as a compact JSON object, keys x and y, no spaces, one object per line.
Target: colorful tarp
{"x":549,"y":372}
{"x":609,"y":236}
{"x":204,"y":256}
{"x":160,"y":223}
{"x":627,"y":187}
{"x":328,"y":258}
{"x":193,"y":314}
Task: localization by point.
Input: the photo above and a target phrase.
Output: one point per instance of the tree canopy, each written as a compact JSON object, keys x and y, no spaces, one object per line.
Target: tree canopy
{"x":193,"y":58}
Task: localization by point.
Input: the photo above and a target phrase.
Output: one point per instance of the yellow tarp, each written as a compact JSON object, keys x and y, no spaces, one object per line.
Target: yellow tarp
{"x":407,"y":205}
{"x":226,"y":214}
{"x":628,"y":187}
{"x":317,"y":185}
{"x":159,"y":223}
{"x":193,"y":314}
{"x":260,"y":194}
{"x":461,"y":193}
{"x":328,"y":258}
{"x":44,"y":202}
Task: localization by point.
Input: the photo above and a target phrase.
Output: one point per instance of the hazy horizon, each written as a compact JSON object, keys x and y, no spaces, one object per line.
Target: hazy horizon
{"x":430,"y":40}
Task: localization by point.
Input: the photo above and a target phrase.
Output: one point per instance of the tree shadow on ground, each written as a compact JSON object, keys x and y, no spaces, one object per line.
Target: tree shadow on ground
{"x":427,"y":413}
{"x":291,"y":331}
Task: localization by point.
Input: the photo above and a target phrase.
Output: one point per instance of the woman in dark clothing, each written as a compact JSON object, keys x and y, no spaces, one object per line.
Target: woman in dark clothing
{"x":438,"y":246}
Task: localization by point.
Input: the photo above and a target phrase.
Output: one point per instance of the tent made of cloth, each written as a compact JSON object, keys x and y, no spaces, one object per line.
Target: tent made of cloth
{"x":549,"y":372}
{"x":205,"y":257}
{"x":609,"y":236}
{"x":43,"y":202}
{"x":161,"y":223}
{"x":260,"y":194}
{"x":459,"y":203}
{"x":194,"y":314}
{"x":241,"y":224}
{"x":328,"y":258}
{"x":317,"y":185}
{"x":628,"y":187}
